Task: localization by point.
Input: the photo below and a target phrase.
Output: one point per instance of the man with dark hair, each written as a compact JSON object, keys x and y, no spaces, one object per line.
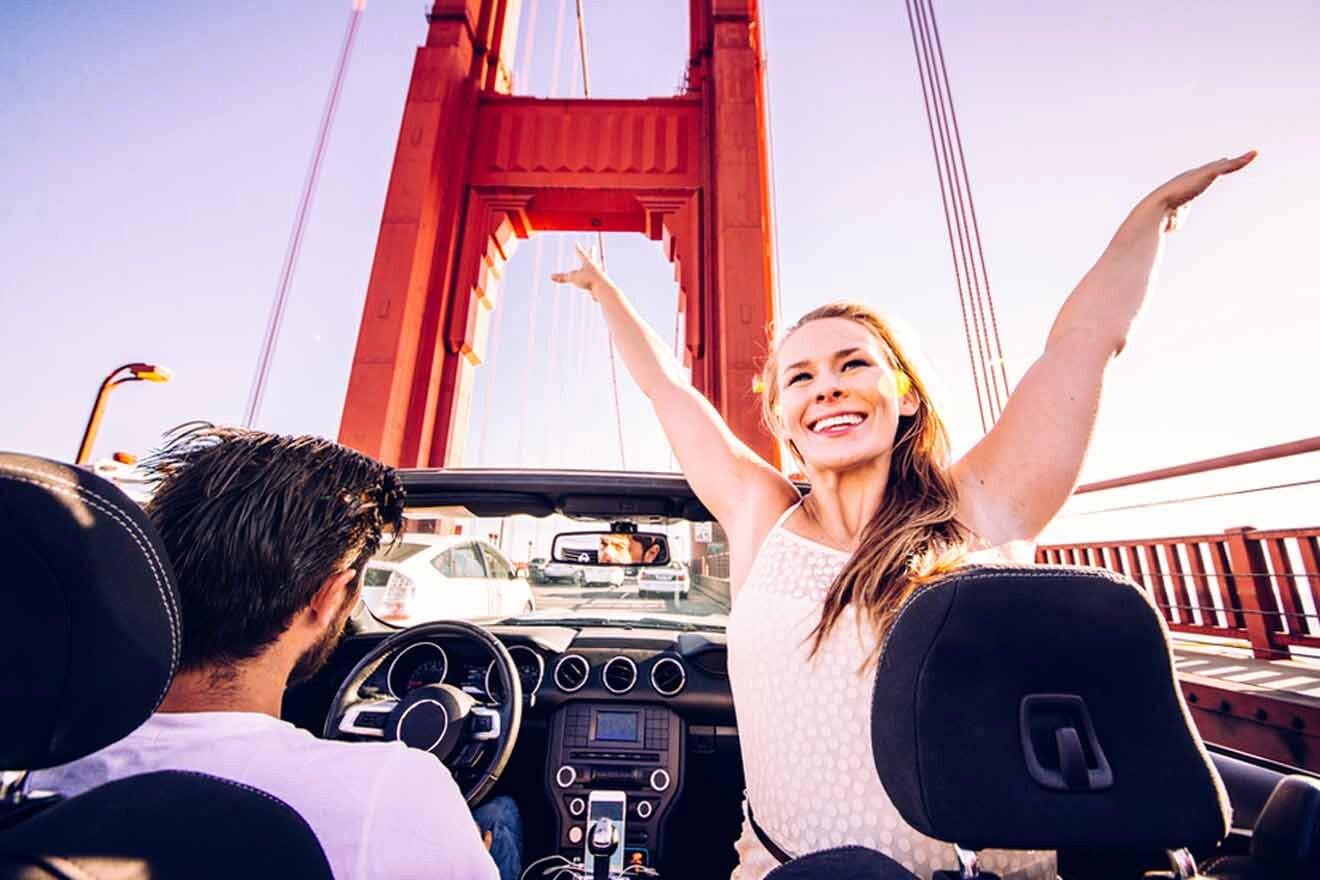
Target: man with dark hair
{"x":268,"y":537}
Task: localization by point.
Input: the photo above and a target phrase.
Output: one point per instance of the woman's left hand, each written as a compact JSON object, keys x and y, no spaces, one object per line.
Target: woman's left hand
{"x":1171,"y":198}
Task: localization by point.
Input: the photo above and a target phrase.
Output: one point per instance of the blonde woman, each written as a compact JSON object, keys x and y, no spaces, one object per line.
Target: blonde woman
{"x":816,"y":580}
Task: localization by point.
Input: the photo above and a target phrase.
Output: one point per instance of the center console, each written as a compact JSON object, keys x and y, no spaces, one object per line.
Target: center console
{"x":635,"y":748}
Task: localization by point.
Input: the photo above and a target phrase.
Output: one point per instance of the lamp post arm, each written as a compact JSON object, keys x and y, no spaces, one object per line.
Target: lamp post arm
{"x":98,"y":409}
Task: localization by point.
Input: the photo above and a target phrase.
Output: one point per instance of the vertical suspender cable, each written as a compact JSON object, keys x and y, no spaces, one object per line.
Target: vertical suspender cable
{"x":989,"y":372}
{"x":600,"y":239}
{"x":976,"y":227}
{"x":258,"y":390}
{"x":529,"y":353}
{"x":959,"y":214}
{"x":520,"y":77}
{"x":524,"y":71}
{"x":939,"y":171}
{"x":557,"y":349}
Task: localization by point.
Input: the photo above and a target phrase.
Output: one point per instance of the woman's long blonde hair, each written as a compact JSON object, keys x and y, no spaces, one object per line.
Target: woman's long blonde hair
{"x":915,"y":535}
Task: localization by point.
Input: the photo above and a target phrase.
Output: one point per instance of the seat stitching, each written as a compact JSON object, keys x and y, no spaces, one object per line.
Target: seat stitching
{"x":135,"y":532}
{"x":981,"y":573}
{"x":267,"y":795}
{"x":118,"y":515}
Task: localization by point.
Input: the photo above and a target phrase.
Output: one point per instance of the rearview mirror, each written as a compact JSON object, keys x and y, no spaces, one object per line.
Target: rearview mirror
{"x":610,"y":548}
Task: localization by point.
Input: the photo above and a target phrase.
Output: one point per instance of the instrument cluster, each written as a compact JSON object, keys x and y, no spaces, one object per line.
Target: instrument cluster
{"x":427,"y":663}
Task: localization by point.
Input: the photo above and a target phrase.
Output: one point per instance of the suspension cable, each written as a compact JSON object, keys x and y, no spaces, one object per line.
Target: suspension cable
{"x":257,"y":392}
{"x":532,"y":335}
{"x":600,"y":241}
{"x":530,"y":353}
{"x":1207,"y":497}
{"x":523,"y":72}
{"x":966,"y":249}
{"x":494,"y":340}
{"x":557,"y":348}
{"x":948,"y":223}
{"x":976,"y":227}
{"x":959,"y":214}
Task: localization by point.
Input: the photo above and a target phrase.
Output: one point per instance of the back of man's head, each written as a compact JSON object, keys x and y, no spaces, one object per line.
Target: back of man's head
{"x":254,"y":523}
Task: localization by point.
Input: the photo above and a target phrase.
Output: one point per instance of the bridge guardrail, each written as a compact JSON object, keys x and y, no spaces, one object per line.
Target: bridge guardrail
{"x":1260,"y":586}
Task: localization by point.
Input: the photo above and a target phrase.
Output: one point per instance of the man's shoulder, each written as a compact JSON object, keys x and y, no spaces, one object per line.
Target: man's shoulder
{"x":366,"y":758}
{"x":263,"y":741}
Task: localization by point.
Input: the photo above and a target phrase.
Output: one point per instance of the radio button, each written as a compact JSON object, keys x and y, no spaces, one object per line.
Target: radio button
{"x":565,"y":776}
{"x":660,"y":779}
{"x":577,"y":806}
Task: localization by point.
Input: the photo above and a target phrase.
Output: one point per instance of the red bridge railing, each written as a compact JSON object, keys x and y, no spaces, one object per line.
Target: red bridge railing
{"x":1261,"y":586}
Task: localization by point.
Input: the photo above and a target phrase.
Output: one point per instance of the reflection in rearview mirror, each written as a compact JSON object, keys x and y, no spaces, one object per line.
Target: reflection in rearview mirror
{"x":611,"y":548}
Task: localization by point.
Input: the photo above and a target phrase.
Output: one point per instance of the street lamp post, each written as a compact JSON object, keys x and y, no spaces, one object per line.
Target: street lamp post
{"x":118,"y":376}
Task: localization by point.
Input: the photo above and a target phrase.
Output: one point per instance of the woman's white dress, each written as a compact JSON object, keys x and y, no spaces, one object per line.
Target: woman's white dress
{"x":805,"y":725}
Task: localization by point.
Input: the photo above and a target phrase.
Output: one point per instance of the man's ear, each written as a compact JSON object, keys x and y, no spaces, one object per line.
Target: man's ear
{"x":329,"y":597}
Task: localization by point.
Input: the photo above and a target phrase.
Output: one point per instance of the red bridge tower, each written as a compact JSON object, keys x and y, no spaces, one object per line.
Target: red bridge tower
{"x":478,"y":168}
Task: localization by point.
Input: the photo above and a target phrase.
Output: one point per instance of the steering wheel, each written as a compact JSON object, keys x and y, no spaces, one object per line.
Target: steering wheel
{"x":473,"y":738}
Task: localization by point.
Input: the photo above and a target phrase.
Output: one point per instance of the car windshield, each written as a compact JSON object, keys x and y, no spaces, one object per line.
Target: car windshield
{"x":446,"y":567}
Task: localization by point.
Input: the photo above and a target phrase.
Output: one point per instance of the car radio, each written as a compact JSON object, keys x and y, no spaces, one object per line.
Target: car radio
{"x":633,"y":748}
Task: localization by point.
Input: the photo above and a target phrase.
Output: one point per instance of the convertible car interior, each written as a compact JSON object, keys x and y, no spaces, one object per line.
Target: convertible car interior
{"x":1031,"y":707}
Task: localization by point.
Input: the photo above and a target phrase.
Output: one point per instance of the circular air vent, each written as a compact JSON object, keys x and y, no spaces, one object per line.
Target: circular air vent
{"x":620,"y":674}
{"x":571,"y":672}
{"x":668,"y":676}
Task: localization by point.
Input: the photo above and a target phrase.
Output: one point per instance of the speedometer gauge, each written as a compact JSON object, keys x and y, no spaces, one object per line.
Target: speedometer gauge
{"x":531,"y":669}
{"x":417,"y":666}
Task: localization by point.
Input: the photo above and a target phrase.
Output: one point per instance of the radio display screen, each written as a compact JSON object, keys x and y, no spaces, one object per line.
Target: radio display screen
{"x":617,"y":726}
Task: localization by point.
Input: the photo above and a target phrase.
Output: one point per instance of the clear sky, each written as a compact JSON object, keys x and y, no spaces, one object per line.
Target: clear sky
{"x":153,"y":155}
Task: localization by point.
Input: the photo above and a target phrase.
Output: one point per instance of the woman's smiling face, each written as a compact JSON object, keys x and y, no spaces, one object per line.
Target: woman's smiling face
{"x":839,"y":397}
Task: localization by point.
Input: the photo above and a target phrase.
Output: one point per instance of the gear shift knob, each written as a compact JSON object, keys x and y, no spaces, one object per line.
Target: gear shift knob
{"x":602,"y":841}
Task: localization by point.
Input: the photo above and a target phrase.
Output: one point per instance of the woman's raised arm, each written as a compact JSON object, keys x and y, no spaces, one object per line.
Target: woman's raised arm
{"x":1016,"y":479}
{"x":729,"y":478}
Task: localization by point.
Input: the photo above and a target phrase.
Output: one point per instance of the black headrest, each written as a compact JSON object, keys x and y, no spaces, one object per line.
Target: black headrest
{"x":163,"y":825}
{"x":1285,"y":843}
{"x":91,"y":635}
{"x":1036,"y":707}
{"x":842,"y":863}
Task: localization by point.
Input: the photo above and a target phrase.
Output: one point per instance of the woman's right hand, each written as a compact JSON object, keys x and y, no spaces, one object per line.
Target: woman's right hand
{"x":589,"y":275}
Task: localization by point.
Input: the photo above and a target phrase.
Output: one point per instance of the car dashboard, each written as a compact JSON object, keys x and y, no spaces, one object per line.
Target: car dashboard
{"x":646,"y":712}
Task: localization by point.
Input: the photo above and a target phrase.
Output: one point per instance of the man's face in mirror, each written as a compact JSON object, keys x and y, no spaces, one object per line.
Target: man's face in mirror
{"x":615,"y":549}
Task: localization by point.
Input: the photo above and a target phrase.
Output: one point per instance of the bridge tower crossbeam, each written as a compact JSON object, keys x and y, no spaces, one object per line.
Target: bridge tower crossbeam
{"x":477,"y":169}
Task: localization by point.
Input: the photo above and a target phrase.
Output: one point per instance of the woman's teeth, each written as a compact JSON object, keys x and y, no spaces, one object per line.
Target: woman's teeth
{"x":826,"y":424}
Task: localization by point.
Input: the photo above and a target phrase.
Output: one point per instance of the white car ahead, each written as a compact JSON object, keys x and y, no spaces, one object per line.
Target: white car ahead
{"x":583,"y":574}
{"x":427,"y":577}
{"x":669,"y":581}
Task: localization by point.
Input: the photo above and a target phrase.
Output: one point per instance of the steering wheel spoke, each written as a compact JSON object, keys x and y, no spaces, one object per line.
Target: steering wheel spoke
{"x":368,"y":718}
{"x":483,"y":724}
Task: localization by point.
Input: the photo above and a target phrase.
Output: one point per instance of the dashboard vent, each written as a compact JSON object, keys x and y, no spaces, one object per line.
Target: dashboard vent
{"x":668,"y":676}
{"x":571,"y":673}
{"x":715,"y":663}
{"x":620,"y":674}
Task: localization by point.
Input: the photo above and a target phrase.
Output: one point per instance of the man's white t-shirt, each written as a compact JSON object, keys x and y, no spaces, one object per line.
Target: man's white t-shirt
{"x":380,"y":810}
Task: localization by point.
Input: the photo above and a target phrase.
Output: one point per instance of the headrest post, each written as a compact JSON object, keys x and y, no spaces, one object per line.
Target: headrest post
{"x":967,"y":867}
{"x":11,"y":786}
{"x":1184,"y":866}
